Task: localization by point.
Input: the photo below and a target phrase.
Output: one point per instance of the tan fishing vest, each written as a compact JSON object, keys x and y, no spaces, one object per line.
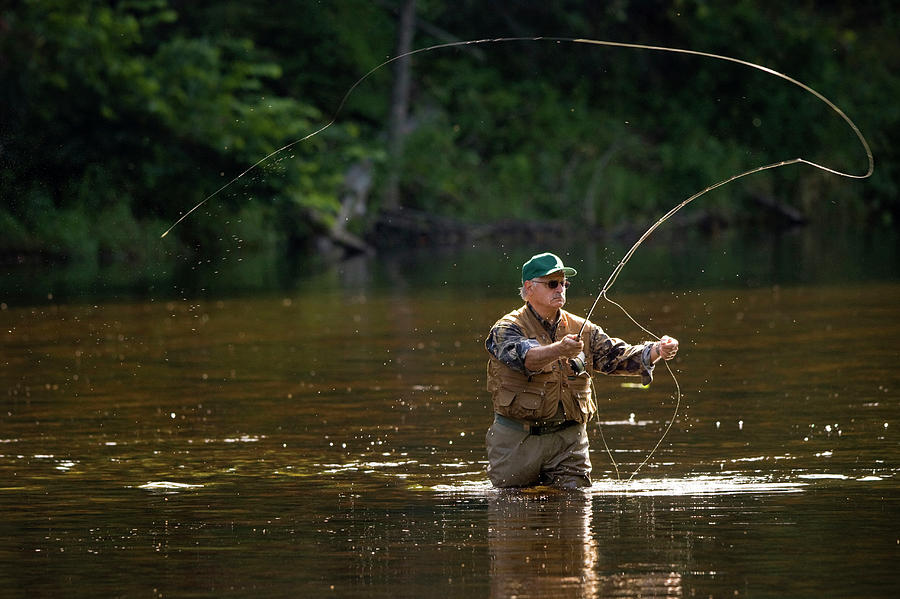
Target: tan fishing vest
{"x":536,"y":398}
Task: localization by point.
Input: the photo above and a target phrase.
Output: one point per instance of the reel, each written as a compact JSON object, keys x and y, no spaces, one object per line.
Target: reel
{"x":577,"y":365}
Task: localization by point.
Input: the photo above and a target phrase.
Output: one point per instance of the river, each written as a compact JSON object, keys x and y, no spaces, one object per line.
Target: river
{"x":318,"y":429}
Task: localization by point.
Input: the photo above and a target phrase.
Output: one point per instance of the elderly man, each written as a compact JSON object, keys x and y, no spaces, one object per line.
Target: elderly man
{"x":539,"y":375}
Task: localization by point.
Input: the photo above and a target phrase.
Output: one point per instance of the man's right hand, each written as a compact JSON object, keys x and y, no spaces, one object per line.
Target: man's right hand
{"x":567,"y":347}
{"x":570,"y":346}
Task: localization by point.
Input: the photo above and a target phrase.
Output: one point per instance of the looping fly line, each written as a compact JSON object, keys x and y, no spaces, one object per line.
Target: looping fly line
{"x":829,"y":103}
{"x":625,"y":259}
{"x":621,"y":265}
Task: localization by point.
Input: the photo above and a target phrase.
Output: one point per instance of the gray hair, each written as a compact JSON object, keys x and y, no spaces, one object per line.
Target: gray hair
{"x":522,"y":291}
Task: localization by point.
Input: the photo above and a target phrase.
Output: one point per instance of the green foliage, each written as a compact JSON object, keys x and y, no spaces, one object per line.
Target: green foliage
{"x":121,"y":116}
{"x":683,"y":122}
{"x":113,"y":108}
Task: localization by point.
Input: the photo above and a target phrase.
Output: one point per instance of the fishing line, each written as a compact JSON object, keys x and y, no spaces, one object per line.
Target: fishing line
{"x":602,"y":436}
{"x":746,"y":63}
{"x":627,"y":257}
{"x":674,"y":412}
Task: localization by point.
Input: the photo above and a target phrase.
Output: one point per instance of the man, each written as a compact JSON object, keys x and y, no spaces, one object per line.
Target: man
{"x":539,"y":375}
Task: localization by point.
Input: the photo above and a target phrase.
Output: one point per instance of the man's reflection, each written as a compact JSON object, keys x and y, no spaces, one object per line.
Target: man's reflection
{"x":542,"y":545}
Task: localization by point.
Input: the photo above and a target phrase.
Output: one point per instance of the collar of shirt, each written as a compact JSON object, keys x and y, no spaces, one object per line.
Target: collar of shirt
{"x":549,"y":326}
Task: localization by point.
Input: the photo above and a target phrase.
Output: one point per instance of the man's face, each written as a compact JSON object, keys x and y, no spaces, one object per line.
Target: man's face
{"x":547,"y":300}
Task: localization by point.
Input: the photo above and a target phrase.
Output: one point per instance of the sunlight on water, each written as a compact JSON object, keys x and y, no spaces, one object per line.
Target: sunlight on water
{"x":733,"y":484}
{"x":700,"y":485}
{"x":467,"y":477}
{"x":631,"y":421}
{"x":243,"y":439}
{"x":168,"y":486}
{"x":366,"y":467}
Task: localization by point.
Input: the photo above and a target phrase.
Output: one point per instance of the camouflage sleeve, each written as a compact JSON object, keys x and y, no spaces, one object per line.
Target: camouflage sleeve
{"x":508,"y":343}
{"x":614,"y":356}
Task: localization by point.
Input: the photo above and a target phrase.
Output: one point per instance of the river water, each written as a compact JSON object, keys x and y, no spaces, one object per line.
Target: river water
{"x":321,"y":432}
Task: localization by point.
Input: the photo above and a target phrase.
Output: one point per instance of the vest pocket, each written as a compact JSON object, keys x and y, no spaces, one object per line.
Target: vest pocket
{"x":521,"y":405}
{"x":585,"y":402}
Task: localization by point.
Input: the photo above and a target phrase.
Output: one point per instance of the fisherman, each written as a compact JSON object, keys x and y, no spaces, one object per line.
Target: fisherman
{"x":539,"y":375}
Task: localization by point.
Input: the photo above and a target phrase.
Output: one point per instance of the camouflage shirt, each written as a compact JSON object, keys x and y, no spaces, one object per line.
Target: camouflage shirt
{"x":508,"y":343}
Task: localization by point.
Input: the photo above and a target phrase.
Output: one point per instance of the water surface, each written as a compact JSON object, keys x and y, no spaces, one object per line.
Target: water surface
{"x":327,"y":437}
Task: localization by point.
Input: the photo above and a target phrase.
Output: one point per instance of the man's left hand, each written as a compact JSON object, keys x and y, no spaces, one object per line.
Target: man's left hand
{"x":666,"y":347}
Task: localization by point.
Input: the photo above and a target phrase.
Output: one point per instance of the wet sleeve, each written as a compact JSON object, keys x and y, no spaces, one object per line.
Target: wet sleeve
{"x":614,"y":356}
{"x":508,"y":343}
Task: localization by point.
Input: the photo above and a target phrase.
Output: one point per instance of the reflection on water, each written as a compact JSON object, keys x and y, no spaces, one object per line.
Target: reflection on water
{"x":547,"y":545}
{"x":329,"y":439}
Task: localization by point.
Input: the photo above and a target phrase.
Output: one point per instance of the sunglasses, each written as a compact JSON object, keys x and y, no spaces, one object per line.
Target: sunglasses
{"x":555,"y":283}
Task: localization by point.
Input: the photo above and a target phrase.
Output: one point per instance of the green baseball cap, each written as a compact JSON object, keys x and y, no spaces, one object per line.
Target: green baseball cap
{"x":542,"y":265}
